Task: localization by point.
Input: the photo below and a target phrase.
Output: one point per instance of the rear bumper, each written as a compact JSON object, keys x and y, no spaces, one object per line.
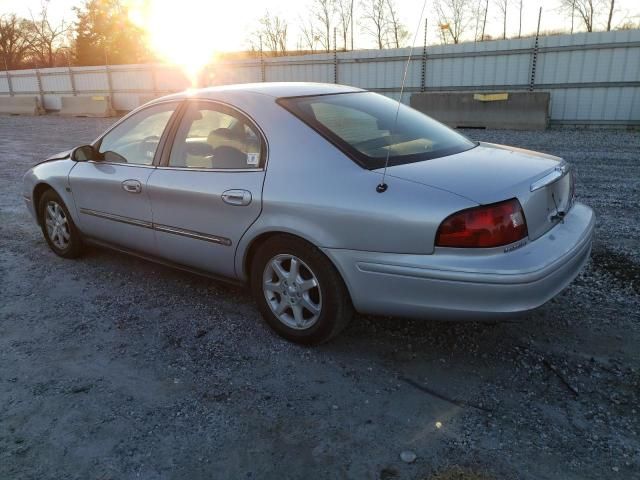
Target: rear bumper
{"x":465,"y":283}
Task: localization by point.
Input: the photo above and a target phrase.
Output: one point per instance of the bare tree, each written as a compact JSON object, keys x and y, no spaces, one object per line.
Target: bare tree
{"x":503,"y":6}
{"x":14,"y":41}
{"x":584,"y":8}
{"x":309,"y":35}
{"x":456,"y":16}
{"x":323,"y":12}
{"x":397,"y":30}
{"x":629,"y":24}
{"x":520,"y":20}
{"x":273,"y":30}
{"x":345,"y":13}
{"x":484,"y":21}
{"x":47,"y":38}
{"x":374,"y":22}
{"x":478,"y":12}
{"x":611,"y":7}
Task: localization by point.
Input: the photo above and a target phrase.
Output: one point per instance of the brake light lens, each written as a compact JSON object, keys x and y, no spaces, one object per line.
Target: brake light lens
{"x":483,"y":227}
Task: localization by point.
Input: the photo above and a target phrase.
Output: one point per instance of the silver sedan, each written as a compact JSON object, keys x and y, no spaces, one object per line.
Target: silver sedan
{"x":323,"y":199}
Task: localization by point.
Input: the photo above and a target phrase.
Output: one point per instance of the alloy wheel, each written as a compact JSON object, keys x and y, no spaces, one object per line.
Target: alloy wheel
{"x":292,"y":291}
{"x":57,"y":225}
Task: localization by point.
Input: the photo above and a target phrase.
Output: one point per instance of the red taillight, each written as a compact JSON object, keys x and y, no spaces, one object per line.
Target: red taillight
{"x":486,"y":226}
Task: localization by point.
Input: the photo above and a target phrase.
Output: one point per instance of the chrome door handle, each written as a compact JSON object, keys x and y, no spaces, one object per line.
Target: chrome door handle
{"x":237,"y":197}
{"x":132,"y":186}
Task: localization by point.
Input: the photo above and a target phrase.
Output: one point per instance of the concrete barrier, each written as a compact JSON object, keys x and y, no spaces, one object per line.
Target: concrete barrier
{"x":21,"y":105}
{"x":86,"y":106}
{"x":505,"y":110}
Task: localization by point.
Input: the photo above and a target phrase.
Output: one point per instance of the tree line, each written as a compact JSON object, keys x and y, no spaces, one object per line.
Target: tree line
{"x":102,"y":32}
{"x":456,"y":21}
{"x":458,"y":18}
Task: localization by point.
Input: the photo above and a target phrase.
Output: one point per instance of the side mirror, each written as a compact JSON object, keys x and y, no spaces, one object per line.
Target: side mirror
{"x":84,"y":153}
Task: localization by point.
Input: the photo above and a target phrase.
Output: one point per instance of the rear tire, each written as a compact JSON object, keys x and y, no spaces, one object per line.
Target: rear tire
{"x":58,"y":228}
{"x":299,"y":292}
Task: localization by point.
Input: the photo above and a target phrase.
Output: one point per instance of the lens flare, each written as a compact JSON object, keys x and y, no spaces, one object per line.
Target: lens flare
{"x":187,"y":33}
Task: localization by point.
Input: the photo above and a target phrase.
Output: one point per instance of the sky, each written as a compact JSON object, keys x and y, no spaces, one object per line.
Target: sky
{"x":229,"y":22}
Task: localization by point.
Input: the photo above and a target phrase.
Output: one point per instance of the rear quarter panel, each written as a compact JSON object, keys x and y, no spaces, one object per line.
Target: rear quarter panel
{"x":314,"y":191}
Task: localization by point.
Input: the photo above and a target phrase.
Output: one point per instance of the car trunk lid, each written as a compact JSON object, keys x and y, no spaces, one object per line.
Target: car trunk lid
{"x":492,"y":173}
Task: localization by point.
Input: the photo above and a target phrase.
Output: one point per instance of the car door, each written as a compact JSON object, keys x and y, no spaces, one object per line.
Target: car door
{"x":207,"y":190}
{"x":110,"y":192}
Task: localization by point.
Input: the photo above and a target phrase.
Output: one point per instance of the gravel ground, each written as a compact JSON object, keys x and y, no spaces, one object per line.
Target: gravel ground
{"x":112,"y":367}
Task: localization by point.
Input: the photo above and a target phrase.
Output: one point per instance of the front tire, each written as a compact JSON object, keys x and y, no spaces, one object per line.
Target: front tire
{"x":299,"y":292}
{"x":58,"y":228}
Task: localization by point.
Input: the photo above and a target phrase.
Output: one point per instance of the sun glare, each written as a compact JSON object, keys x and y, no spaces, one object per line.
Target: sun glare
{"x":186,"y":33}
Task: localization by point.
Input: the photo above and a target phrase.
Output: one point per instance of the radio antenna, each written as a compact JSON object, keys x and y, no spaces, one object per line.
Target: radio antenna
{"x":382,"y":186}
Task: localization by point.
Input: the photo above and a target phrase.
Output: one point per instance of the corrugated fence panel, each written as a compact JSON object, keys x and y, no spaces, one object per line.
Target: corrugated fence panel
{"x":4,"y":83}
{"x":227,"y":74}
{"x":91,"y":82}
{"x":169,"y":79}
{"x":136,"y":80}
{"x":592,"y":77}
{"x":56,"y":82}
{"x":24,"y":81}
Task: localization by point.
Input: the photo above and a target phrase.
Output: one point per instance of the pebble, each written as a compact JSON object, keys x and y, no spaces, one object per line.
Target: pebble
{"x":408,"y":456}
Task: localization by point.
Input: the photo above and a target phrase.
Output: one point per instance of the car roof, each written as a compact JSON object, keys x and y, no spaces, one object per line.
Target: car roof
{"x":271,"y":89}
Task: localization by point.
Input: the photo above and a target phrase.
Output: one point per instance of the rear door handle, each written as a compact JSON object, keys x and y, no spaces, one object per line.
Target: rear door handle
{"x":132,"y":186}
{"x":237,"y":197}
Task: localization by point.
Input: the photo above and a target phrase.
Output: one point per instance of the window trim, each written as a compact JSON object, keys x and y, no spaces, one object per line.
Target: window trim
{"x":352,"y":153}
{"x":163,"y":163}
{"x":154,"y":163}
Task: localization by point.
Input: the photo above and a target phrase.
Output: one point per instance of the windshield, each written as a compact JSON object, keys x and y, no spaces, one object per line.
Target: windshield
{"x":361,"y":124}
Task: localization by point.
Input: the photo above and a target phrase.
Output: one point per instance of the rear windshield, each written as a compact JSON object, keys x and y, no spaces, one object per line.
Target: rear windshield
{"x":361,"y":124}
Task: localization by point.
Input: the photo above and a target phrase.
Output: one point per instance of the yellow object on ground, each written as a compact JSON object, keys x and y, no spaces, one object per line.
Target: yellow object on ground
{"x":490,"y":97}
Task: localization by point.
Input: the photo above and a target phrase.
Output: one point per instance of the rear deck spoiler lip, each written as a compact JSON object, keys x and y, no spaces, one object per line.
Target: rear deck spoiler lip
{"x":554,"y":175}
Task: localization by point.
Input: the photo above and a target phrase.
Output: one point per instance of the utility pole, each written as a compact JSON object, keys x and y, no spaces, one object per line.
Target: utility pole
{"x":534,"y":57}
{"x":6,"y":69}
{"x":423,"y":79}
{"x":263,"y":72}
{"x":335,"y":55}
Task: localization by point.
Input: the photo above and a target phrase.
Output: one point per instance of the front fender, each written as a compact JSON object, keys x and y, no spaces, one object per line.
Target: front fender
{"x":55,"y":174}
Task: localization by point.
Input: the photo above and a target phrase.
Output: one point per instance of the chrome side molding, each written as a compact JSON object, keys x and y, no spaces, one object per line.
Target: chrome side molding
{"x":116,"y":218}
{"x":159,"y":228}
{"x":191,"y":234}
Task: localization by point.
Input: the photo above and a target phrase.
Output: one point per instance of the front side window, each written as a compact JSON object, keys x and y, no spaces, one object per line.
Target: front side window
{"x":363,"y":124}
{"x":217,"y":137}
{"x":136,"y":139}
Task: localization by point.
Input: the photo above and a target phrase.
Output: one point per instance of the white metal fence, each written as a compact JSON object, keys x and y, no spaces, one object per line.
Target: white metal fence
{"x":594,"y":78}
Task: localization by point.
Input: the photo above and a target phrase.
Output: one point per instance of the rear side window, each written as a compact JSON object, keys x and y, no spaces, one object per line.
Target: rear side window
{"x":363,"y":125}
{"x":214,"y":136}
